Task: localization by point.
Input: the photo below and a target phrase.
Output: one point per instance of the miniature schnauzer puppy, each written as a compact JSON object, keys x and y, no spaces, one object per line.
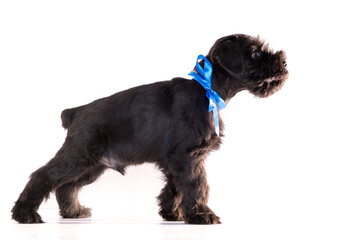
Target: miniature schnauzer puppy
{"x":167,"y":123}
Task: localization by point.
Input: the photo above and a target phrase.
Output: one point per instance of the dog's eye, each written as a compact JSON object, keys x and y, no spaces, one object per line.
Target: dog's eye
{"x":256,"y":54}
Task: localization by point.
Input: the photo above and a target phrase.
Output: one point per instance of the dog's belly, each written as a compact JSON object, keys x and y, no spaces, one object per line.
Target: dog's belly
{"x":114,"y":164}
{"x":120,"y":156}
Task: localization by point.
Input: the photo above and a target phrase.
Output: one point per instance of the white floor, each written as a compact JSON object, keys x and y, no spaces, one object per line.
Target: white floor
{"x":97,"y":228}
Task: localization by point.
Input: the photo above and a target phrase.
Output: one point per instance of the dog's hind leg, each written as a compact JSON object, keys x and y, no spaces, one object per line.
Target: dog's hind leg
{"x":169,"y":200}
{"x":25,"y":209}
{"x":68,"y":165}
{"x":67,"y":194}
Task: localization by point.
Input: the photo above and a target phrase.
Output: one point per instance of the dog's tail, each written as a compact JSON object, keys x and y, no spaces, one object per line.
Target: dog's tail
{"x":68,"y":116}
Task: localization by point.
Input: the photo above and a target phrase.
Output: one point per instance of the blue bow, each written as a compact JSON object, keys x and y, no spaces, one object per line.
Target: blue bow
{"x":204,"y":78}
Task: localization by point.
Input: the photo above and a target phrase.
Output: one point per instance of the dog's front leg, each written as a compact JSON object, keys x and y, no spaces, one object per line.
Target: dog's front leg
{"x":191,"y":182}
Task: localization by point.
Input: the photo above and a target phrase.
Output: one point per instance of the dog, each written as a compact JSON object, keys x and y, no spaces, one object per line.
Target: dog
{"x":173,"y":124}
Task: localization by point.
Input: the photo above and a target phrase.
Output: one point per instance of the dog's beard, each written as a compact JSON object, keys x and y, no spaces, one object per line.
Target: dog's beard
{"x":270,"y":85}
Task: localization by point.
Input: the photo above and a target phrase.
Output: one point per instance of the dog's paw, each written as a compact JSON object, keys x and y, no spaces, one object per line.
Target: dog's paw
{"x":29,"y":217}
{"x":22,"y":214}
{"x":203,"y":218}
{"x":171,"y":215}
{"x":82,"y":212}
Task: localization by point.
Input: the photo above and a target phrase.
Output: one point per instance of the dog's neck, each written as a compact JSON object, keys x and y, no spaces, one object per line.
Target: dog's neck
{"x":223,"y":83}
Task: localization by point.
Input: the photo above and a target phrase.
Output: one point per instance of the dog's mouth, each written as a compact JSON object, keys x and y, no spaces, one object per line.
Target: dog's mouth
{"x":276,"y":78}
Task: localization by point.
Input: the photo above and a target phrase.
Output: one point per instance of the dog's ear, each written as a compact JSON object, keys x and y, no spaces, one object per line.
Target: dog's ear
{"x":227,"y":52}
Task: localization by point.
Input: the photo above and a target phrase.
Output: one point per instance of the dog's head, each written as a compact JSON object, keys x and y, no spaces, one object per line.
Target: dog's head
{"x":250,"y":64}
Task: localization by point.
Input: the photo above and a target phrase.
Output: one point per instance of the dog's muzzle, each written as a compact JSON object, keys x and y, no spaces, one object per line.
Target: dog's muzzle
{"x":279,"y":65}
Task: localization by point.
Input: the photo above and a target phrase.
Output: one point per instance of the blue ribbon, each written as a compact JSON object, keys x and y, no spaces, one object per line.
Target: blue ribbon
{"x":216,"y":103}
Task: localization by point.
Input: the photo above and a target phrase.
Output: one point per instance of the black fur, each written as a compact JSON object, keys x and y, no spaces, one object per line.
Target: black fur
{"x":166,"y":123}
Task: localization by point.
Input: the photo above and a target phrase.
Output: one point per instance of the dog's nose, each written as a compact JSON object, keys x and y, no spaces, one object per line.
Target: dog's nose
{"x":282,"y":57}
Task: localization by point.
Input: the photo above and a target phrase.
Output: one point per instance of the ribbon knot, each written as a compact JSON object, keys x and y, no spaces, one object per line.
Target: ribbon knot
{"x":216,"y":103}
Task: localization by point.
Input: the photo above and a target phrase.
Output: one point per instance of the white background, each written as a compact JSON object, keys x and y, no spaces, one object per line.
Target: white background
{"x":289,"y":165}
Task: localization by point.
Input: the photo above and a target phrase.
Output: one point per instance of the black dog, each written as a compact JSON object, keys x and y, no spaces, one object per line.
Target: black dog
{"x":167,"y":123}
